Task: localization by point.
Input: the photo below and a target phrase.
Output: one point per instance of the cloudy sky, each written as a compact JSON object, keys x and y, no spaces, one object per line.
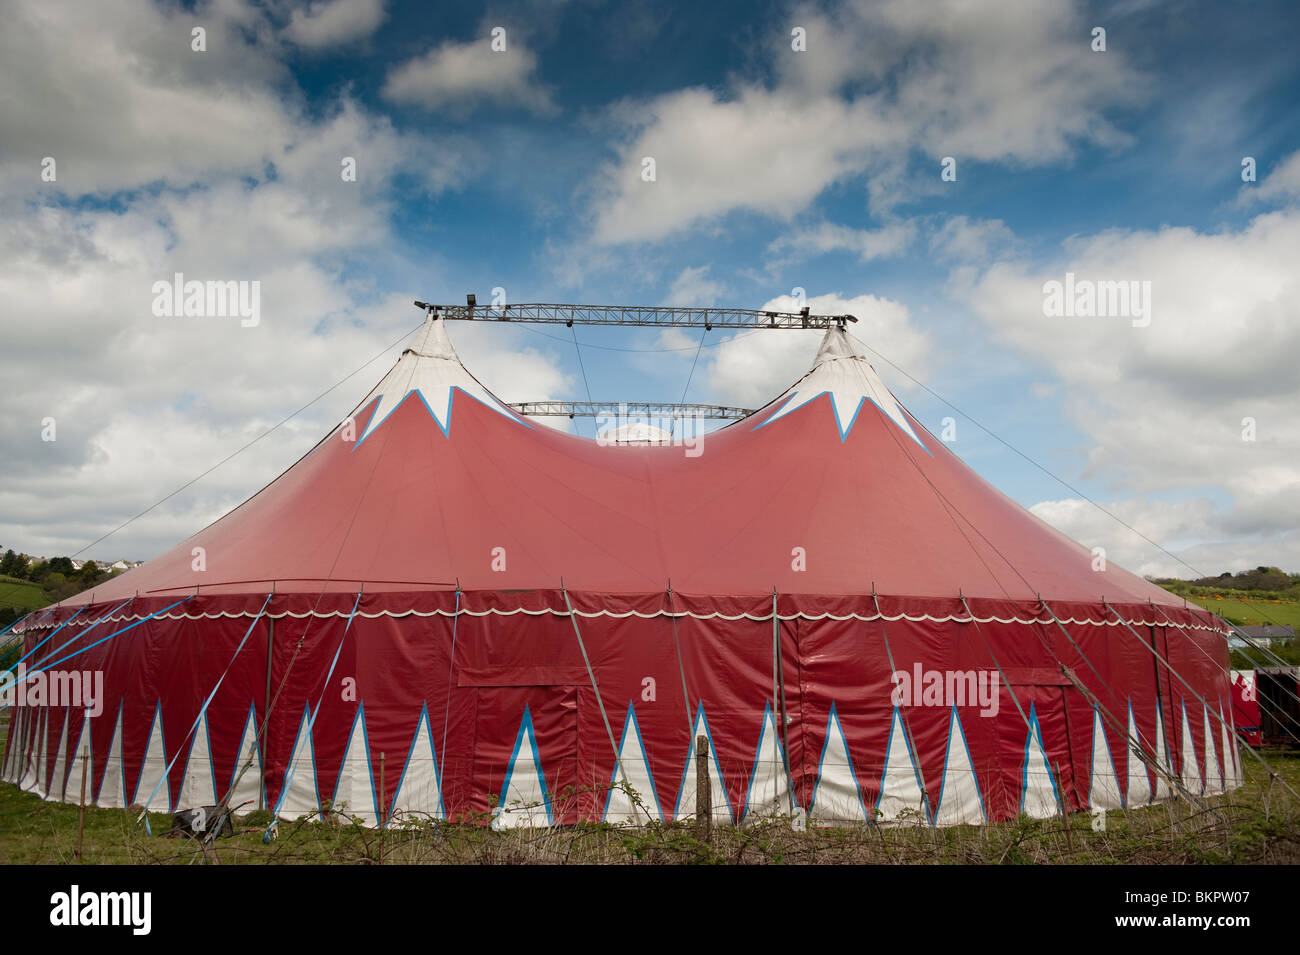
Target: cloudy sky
{"x":776,"y":168}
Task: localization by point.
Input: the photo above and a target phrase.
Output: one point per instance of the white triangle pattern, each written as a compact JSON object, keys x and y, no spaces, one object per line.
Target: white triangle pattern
{"x":420,"y":791}
{"x":837,"y":796}
{"x":1038,"y":797}
{"x":198,"y":787}
{"x":901,"y":796}
{"x":685,"y":808}
{"x":354,"y":793}
{"x":1103,"y":788}
{"x":248,"y":791}
{"x":620,"y":808}
{"x":1213,"y":774}
{"x":298,"y":795}
{"x":959,"y":799}
{"x":1231,"y":766}
{"x":153,"y":784}
{"x":59,"y":774}
{"x":1163,"y":758}
{"x":1191,"y":774}
{"x":72,"y":790}
{"x":769,"y":789}
{"x":112,"y":786}
{"x":1139,"y":779}
{"x":525,"y":801}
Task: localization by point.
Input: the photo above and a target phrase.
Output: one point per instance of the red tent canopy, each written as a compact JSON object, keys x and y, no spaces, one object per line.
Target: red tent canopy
{"x":791,"y":563}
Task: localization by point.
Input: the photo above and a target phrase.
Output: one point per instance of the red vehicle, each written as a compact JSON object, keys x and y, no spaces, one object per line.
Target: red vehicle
{"x":1245,"y":706}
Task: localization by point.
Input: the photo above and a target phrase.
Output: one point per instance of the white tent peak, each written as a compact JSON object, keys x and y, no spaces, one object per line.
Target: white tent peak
{"x":431,"y":341}
{"x":842,"y":371}
{"x":431,"y":370}
{"x":837,"y":343}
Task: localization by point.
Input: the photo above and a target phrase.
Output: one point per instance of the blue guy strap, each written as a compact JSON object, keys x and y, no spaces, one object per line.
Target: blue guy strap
{"x":60,"y":627}
{"x":49,"y":636}
{"x":311,"y":720}
{"x":115,"y":634}
{"x":144,"y":812}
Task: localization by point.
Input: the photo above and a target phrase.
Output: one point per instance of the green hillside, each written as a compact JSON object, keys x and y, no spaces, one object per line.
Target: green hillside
{"x":1250,"y":612}
{"x":22,"y":594}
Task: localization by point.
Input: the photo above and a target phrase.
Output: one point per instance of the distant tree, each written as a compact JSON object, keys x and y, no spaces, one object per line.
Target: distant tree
{"x":11,"y":565}
{"x":36,"y":571}
{"x":62,"y":565}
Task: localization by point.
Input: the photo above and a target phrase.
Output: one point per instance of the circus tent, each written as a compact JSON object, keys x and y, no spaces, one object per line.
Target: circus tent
{"x":447,"y":610}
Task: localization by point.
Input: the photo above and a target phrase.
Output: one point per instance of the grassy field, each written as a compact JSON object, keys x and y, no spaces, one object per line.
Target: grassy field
{"x":1257,"y":824}
{"x":21,"y":593}
{"x":1249,"y":612}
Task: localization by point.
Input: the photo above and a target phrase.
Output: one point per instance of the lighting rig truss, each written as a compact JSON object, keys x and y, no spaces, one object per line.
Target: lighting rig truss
{"x":653,"y":315}
{"x":646,"y":409}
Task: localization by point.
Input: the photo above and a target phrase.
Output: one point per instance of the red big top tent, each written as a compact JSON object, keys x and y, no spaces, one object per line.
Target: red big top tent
{"x":454,"y":611}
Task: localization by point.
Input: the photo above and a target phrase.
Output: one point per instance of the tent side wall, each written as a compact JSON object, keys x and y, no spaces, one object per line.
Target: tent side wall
{"x":986,"y":720}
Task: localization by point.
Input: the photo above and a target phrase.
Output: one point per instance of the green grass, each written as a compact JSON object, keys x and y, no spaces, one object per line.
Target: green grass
{"x":1249,"y":612}
{"x":21,"y":593}
{"x":1258,"y":823}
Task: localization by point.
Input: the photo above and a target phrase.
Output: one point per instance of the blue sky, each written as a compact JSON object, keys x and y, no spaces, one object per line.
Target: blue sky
{"x":776,"y":169}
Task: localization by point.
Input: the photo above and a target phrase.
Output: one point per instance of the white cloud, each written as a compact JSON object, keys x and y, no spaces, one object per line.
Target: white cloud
{"x":866,"y":244}
{"x":1283,"y":182}
{"x":327,"y":23}
{"x":457,"y":76}
{"x":1163,"y":406}
{"x":976,"y":81}
{"x":962,"y":239}
{"x":694,"y":286}
{"x":244,"y":188}
{"x":114,"y":94}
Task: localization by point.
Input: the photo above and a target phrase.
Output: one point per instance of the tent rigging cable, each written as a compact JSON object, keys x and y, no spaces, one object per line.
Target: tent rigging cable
{"x":913,"y":753}
{"x":1272,"y":772}
{"x":695,"y":361}
{"x":446,"y":715}
{"x":286,"y":786}
{"x":950,"y":508}
{"x":1276,"y":708}
{"x":681,"y":667}
{"x":144,"y":811}
{"x":600,"y":702}
{"x":1134,"y":745}
{"x":581,"y":367}
{"x":1064,"y":483}
{"x":238,"y":451}
{"x":263,"y":734}
{"x":779,"y":704}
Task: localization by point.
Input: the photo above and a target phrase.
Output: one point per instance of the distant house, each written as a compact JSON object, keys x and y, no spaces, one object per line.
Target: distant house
{"x":1268,"y":635}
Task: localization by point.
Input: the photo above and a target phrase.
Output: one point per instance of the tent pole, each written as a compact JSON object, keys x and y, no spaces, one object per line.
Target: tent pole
{"x":266,"y":712}
{"x":778,"y":704}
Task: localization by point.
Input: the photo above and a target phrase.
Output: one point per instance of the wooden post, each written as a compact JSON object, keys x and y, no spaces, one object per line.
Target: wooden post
{"x":81,"y":812}
{"x":703,"y":791}
{"x":1065,"y":811}
{"x":382,"y":814}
